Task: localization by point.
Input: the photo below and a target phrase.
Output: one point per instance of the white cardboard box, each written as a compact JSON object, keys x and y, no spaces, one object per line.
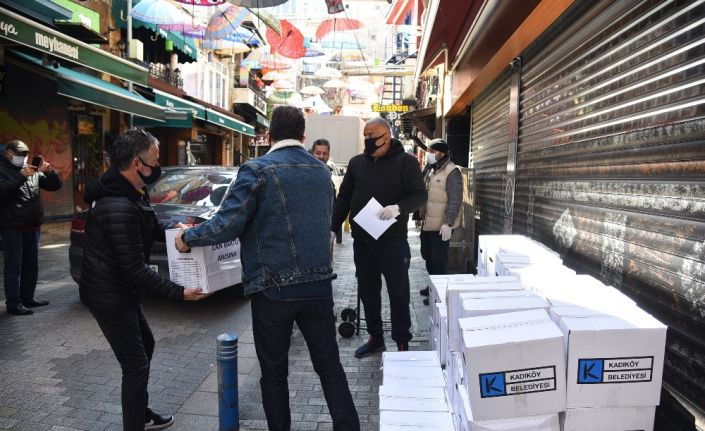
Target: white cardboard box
{"x":415,"y":421}
{"x":427,"y":358}
{"x":490,"y":245}
{"x":466,"y":420}
{"x":211,"y":268}
{"x":440,"y":330}
{"x":478,"y":284}
{"x":609,"y":419}
{"x":612,"y":361}
{"x":472,"y":307}
{"x":515,"y":364}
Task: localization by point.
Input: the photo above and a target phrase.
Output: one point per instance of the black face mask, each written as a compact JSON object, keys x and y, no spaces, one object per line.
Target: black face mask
{"x":371,"y":145}
{"x":153,"y":177}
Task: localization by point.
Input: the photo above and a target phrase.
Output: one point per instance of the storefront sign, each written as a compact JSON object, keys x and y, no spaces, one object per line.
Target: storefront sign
{"x":377,"y":107}
{"x":21,"y":30}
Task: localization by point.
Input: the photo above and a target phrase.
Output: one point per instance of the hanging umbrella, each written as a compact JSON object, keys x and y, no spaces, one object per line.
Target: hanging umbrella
{"x":337,"y":24}
{"x":258,"y":3}
{"x":202,"y":2}
{"x":347,"y":56}
{"x":184,"y":28}
{"x":285,"y":98}
{"x":342,"y":41}
{"x":283,"y":84}
{"x":312,"y":90}
{"x":328,"y":72}
{"x":268,"y":19}
{"x":225,"y":47}
{"x":290,"y":43}
{"x":335,"y":83}
{"x":244,"y":35}
{"x":312,"y":52}
{"x":159,"y":12}
{"x":225,"y":22}
{"x":274,"y":65}
{"x":272,"y":76}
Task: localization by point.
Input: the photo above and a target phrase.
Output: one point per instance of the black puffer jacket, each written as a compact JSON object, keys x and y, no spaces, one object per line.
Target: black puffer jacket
{"x":20,"y":204}
{"x":394,"y":179}
{"x":120,"y":229}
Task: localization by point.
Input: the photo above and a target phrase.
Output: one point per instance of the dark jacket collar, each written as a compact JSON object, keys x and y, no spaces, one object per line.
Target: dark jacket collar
{"x":111,"y":183}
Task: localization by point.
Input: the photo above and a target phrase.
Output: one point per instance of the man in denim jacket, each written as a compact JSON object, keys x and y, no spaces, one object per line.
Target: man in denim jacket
{"x":280,"y":207}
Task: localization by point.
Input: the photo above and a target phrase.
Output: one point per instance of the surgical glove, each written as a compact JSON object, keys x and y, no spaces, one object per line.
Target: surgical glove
{"x":445,"y":232}
{"x":388,"y":212}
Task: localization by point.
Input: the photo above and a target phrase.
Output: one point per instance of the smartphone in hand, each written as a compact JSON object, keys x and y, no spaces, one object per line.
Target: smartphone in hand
{"x":37,"y":161}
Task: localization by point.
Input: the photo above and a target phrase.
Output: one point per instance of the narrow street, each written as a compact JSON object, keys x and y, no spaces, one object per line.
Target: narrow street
{"x":57,"y":372}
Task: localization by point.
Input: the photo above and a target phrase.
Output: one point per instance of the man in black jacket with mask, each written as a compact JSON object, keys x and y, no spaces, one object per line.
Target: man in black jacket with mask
{"x":21,"y":214}
{"x":120,"y":229}
{"x":384,"y":172}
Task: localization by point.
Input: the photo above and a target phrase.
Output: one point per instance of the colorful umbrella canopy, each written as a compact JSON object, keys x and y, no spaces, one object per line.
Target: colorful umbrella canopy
{"x":258,"y":3}
{"x":202,"y":2}
{"x":225,"y":22}
{"x":347,"y":56}
{"x":312,"y":90}
{"x":272,"y":76}
{"x":341,"y":41}
{"x":290,"y":43}
{"x":268,"y":19}
{"x":285,"y":98}
{"x":274,"y":65}
{"x":315,"y":103}
{"x":159,"y":12}
{"x":328,"y":72}
{"x":225,"y":46}
{"x":283,"y":84}
{"x":245,"y":36}
{"x":312,"y":52}
{"x":184,"y":28}
{"x":337,"y":24}
{"x":335,"y":83}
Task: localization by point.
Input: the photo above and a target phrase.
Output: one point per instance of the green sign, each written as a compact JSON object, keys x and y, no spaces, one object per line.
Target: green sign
{"x":173,"y":102}
{"x":82,"y":14}
{"x":230,"y":123}
{"x":18,"y":29}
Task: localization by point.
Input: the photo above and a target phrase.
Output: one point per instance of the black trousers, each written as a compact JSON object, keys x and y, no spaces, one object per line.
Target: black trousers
{"x":435,"y":252}
{"x":390,"y":258}
{"x":133,"y":344}
{"x":272,"y":323}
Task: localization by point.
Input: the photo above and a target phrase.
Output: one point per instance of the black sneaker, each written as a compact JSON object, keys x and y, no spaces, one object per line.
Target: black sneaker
{"x":35,"y":303}
{"x":154,"y":421}
{"x":373,"y":345}
{"x":424,"y":291}
{"x":20,"y":310}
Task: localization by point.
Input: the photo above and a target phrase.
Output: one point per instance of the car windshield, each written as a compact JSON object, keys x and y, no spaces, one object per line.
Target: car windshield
{"x":197,"y":187}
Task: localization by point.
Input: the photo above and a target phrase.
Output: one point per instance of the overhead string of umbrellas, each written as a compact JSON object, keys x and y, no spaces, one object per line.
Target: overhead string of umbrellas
{"x":219,"y":26}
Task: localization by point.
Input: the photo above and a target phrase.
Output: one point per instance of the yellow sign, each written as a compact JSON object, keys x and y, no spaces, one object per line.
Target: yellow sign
{"x":376,"y":107}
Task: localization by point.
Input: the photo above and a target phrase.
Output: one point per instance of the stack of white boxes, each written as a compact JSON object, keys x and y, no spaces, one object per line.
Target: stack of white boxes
{"x":412,"y":395}
{"x":528,"y":345}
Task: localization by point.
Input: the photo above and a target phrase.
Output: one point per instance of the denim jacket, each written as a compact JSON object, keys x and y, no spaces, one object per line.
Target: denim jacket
{"x":280,"y":207}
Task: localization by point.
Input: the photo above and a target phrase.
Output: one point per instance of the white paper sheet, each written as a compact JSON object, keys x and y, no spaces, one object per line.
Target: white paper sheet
{"x":368,"y":220}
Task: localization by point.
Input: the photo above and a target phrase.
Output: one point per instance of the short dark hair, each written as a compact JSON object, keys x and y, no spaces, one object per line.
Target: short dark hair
{"x":317,"y":142}
{"x":128,"y":145}
{"x":287,"y":122}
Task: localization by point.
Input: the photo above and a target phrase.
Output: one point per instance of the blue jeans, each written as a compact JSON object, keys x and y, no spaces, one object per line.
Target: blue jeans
{"x":272,"y":323}
{"x":390,"y":258}
{"x":20,"y":249}
{"x":131,"y":339}
{"x":435,"y":252}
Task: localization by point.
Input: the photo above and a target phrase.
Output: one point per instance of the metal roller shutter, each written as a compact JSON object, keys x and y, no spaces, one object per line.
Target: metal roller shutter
{"x":611,"y":159}
{"x":488,"y":155}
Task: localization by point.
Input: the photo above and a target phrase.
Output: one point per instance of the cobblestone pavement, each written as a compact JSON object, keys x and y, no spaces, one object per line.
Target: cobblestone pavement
{"x":58,"y":373}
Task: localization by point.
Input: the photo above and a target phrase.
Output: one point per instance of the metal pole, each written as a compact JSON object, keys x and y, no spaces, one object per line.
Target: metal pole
{"x":130,"y":117}
{"x":228,"y":404}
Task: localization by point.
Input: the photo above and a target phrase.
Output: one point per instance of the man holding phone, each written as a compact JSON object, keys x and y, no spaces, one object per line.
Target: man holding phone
{"x":21,"y":214}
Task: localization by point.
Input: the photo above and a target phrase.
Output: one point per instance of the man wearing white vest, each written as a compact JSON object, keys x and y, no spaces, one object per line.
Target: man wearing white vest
{"x":441,"y":214}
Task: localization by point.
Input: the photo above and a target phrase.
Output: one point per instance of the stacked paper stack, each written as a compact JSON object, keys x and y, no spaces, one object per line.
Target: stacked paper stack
{"x":412,"y":396}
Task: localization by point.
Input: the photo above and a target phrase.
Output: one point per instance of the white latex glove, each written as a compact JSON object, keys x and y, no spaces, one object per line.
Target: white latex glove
{"x":445,"y":232}
{"x":332,"y":243}
{"x":388,"y":212}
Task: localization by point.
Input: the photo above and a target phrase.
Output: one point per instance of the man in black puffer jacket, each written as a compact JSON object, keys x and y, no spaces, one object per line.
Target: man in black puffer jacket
{"x":120,"y":229}
{"x":21,"y":214}
{"x":384,"y":172}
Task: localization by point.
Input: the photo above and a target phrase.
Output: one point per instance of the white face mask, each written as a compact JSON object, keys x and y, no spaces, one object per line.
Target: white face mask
{"x":430,"y":158}
{"x":19,"y":161}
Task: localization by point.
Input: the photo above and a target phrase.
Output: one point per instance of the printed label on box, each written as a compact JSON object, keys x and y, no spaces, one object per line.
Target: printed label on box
{"x":615,"y":370}
{"x":515,"y":382}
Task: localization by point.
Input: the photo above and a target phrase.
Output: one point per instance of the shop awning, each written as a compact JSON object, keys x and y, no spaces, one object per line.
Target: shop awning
{"x":46,"y":11}
{"x":19,"y":29}
{"x":170,"y":101}
{"x":185,"y":122}
{"x":262,"y":121}
{"x":90,"y":89}
{"x":229,"y":123}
